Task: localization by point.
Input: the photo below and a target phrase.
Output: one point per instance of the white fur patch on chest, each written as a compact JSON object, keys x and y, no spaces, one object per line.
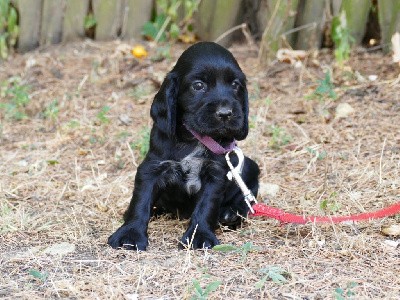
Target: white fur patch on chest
{"x":191,"y":167}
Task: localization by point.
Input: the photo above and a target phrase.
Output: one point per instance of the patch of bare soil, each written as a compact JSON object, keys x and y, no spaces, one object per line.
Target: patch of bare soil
{"x":67,"y":174}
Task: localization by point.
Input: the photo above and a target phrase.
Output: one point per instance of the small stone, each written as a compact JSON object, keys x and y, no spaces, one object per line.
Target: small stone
{"x":60,"y":249}
{"x":125,"y":119}
{"x":343,"y":110}
{"x":269,"y":189}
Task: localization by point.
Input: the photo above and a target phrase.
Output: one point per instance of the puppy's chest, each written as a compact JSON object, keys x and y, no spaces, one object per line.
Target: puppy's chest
{"x":191,"y":167}
{"x":187,"y":171}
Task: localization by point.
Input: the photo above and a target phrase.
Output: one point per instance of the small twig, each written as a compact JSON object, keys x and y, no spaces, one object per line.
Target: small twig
{"x":228,"y":32}
{"x":166,"y":22}
{"x":84,"y":79}
{"x":133,"y":155}
{"x":305,"y":26}
{"x":162,"y":29}
{"x":380,"y":162}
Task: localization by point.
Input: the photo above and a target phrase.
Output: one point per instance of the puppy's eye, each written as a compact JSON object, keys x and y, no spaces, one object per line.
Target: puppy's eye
{"x":198,"y":86}
{"x":236,"y":85}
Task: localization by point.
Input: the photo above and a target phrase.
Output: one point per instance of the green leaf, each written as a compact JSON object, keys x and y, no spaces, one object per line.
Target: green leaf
{"x":211,"y":287}
{"x":277,"y":277}
{"x":38,"y":275}
{"x":225,"y":248}
{"x":12,"y":20}
{"x":197,"y":288}
{"x":324,"y":204}
{"x":3,"y":46}
{"x":149,"y":30}
{"x":4,"y":5}
{"x":261,"y":283}
{"x":52,"y":162}
{"x":90,"y":21}
{"x":174,"y":31}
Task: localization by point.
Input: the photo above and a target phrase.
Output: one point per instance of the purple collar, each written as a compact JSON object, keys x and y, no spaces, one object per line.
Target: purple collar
{"x":211,"y":144}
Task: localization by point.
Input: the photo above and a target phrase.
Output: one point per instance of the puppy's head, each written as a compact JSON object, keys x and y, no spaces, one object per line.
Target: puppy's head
{"x":206,"y":91}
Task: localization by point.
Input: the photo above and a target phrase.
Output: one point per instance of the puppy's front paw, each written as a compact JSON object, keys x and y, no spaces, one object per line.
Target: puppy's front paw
{"x":200,"y":240}
{"x":127,"y":237}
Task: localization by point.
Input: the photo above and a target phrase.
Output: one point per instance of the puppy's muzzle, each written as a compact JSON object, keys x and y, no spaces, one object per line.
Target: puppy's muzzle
{"x":224,"y":114}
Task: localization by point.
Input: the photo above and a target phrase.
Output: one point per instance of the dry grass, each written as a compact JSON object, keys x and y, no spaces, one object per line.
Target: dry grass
{"x":69,"y":178}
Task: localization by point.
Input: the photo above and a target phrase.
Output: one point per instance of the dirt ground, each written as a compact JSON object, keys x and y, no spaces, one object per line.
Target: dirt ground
{"x":67,"y":172}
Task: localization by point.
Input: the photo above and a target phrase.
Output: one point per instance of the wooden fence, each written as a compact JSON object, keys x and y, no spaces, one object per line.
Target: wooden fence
{"x":301,"y":22}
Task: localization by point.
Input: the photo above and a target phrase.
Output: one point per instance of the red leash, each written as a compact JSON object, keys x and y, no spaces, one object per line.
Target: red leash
{"x":264,"y":210}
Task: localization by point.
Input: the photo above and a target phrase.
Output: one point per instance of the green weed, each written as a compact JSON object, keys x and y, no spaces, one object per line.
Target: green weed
{"x":330,"y":203}
{"x":51,"y":111}
{"x":167,"y":24}
{"x":16,"y":97}
{"x":274,"y":273}
{"x":345,"y":293}
{"x":324,"y":89}
{"x":243,"y":250}
{"x":202,"y":294}
{"x":73,"y":124}
{"x":315,"y":153}
{"x":39,"y":275}
{"x":279,"y":137}
{"x":102,"y":115}
{"x":90,"y":21}
{"x":142,"y":144}
{"x":123,"y":135}
{"x":341,"y":38}
{"x":9,"y":29}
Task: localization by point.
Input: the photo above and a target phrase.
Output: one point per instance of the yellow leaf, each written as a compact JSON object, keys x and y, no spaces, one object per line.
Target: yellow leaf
{"x":139,"y":51}
{"x":188,"y":38}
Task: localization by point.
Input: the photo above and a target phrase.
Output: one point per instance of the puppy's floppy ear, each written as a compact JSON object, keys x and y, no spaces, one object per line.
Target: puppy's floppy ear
{"x":163,"y":109}
{"x":245,"y":128}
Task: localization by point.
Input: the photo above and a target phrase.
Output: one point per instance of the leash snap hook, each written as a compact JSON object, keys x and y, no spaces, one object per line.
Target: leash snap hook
{"x":234,"y":174}
{"x":239,"y":167}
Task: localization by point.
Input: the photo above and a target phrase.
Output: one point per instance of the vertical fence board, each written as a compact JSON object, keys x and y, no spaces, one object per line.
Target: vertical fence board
{"x":285,"y":16}
{"x":204,"y":18}
{"x":225,"y":17}
{"x":335,"y":6}
{"x":357,"y":12}
{"x":278,"y":19}
{"x":138,"y":13}
{"x":74,"y":19}
{"x":29,"y":23}
{"x":108,"y":17}
{"x":216,"y":17}
{"x":389,"y":21}
{"x":52,"y":21}
{"x":312,"y":12}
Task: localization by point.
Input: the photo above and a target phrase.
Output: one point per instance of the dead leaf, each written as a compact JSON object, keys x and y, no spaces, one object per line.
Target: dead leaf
{"x":393,"y":229}
{"x":396,"y":47}
{"x":188,"y":38}
{"x":291,"y":56}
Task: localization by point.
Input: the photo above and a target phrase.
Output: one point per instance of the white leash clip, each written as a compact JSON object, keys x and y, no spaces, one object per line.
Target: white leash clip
{"x":234,"y":174}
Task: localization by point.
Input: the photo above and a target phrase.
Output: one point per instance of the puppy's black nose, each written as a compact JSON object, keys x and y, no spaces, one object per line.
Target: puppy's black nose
{"x":224,"y":113}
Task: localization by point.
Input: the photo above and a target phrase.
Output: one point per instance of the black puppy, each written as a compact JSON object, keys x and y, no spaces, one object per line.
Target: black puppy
{"x":204,"y":95}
